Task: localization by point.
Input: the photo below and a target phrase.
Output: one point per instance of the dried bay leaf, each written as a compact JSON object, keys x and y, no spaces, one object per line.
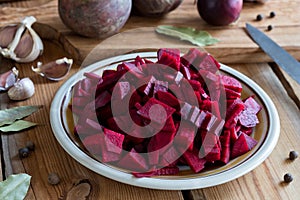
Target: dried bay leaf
{"x":18,"y":125}
{"x":194,"y":36}
{"x":15,"y":187}
{"x":8,"y":116}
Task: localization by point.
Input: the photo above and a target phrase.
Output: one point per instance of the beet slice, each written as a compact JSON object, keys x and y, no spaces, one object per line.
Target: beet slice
{"x":197,"y":164}
{"x":242,"y":145}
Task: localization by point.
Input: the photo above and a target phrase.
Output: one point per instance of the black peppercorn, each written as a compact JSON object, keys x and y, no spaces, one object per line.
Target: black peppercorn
{"x":288,"y":178}
{"x":293,"y":155}
{"x":30,"y":145}
{"x":270,"y":27}
{"x":53,"y":178}
{"x":259,"y":17}
{"x":24,"y":152}
{"x":272,"y":14}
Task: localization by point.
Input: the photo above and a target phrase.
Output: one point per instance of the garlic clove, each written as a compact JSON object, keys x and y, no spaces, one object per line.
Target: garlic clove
{"x":7,"y":34}
{"x":54,"y":70}
{"x":8,"y":79}
{"x":25,"y":45}
{"x":22,"y":89}
{"x":14,"y":49}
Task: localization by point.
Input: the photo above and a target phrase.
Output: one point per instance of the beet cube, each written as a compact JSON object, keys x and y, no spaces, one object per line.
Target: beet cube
{"x":156,"y":110}
{"x":167,"y":98}
{"x":225,"y":146}
{"x":248,"y":119}
{"x":169,"y":157}
{"x":231,"y":94}
{"x":185,"y":135}
{"x":93,"y":143}
{"x":242,"y":145}
{"x":134,"y":161}
{"x":122,"y":89}
{"x":169,"y":57}
{"x":160,"y":141}
{"x":102,"y":99}
{"x":196,"y":163}
{"x":200,"y":60}
{"x":113,"y":141}
{"x":231,"y":83}
{"x":252,"y":106}
{"x":232,"y":112}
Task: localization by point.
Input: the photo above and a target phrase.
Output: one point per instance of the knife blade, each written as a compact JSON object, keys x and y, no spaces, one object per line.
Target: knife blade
{"x":280,"y":56}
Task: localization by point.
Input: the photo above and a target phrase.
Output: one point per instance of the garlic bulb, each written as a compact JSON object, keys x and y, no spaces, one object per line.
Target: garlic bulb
{"x":20,"y":42}
{"x":22,"y":89}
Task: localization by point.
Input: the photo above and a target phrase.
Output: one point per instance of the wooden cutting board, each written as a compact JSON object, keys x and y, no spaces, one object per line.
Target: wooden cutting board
{"x":235,"y":46}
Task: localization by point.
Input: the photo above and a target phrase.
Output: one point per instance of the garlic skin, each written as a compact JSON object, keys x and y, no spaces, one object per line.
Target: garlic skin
{"x":22,"y":89}
{"x":26,"y":45}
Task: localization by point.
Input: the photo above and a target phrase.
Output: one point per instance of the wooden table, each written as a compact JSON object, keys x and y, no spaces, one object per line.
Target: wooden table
{"x":235,"y":49}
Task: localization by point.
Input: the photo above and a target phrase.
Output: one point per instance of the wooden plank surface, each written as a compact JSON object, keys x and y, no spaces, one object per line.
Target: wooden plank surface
{"x":235,"y":46}
{"x":265,"y":182}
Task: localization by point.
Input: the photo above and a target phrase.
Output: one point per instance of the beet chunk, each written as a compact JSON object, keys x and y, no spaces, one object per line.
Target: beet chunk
{"x":169,"y":57}
{"x":242,"y":145}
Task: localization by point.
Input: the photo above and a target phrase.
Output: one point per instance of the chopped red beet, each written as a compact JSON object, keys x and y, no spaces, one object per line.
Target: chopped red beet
{"x":174,"y":114}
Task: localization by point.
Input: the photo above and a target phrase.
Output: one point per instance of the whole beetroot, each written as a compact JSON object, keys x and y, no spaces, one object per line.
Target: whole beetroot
{"x":95,"y":18}
{"x":154,"y":8}
{"x":219,"y":12}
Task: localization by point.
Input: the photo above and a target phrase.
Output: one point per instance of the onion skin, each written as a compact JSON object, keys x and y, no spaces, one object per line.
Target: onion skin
{"x":219,"y":12}
{"x":154,"y":8}
{"x":95,"y":18}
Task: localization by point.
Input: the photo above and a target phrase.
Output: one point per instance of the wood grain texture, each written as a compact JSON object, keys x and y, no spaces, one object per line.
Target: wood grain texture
{"x":266,"y":181}
{"x":234,"y":47}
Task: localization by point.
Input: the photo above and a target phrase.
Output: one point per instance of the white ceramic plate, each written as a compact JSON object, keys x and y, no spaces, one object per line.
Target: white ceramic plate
{"x":266,"y":132}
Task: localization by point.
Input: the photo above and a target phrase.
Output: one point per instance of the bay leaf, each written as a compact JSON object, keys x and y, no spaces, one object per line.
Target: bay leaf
{"x":194,"y":36}
{"x":18,"y":125}
{"x":15,"y":187}
{"x":10,"y":115}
